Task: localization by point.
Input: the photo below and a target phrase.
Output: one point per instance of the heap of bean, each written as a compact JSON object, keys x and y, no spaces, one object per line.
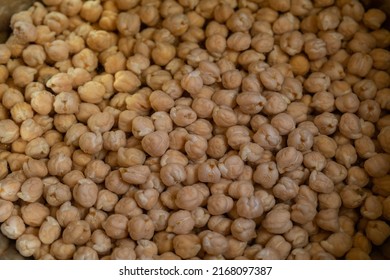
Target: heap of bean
{"x":195,"y":129}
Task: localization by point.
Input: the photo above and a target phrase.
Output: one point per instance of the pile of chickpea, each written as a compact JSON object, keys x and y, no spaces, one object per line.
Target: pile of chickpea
{"x":196,"y":129}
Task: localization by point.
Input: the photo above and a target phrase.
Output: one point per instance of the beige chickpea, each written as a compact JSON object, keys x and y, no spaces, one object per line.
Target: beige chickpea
{"x":91,"y":142}
{"x":114,"y":183}
{"x":172,"y":174}
{"x":249,"y":207}
{"x":377,"y":231}
{"x":59,"y":165}
{"x":146,"y":199}
{"x":208,"y":171}
{"x":61,"y":251}
{"x":267,"y":137}
{"x":156,"y":143}
{"x":140,"y":227}
{"x":217,"y":146}
{"x":337,"y":244}
{"x":243,"y":229}
{"x":13,"y":227}
{"x":49,"y":231}
{"x":31,"y":190}
{"x":285,"y":189}
{"x":180,"y":222}
{"x":326,"y":123}
{"x":67,"y":213}
{"x":85,"y":192}
{"x":91,"y":92}
{"x":34,"y":214}
{"x":220,"y":224}
{"x":374,"y":18}
{"x":77,"y":232}
{"x":9,"y":131}
{"x":101,"y":122}
{"x":377,"y":165}
{"x":266,"y":174}
{"x":136,"y":174}
{"x":21,"y":112}
{"x":359,"y":64}
{"x":115,"y":226}
{"x":219,"y":204}
{"x":27,"y":244}
{"x":213,"y":243}
{"x":224,"y":116}
{"x":288,"y":159}
{"x":128,"y":207}
{"x":187,"y":245}
{"x":6,"y":208}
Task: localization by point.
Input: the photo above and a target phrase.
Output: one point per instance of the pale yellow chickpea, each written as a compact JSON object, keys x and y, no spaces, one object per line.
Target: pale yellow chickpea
{"x":49,"y":231}
{"x":6,"y":208}
{"x":13,"y":227}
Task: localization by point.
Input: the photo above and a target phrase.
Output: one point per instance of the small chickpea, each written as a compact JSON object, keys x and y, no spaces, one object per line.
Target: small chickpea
{"x":34,"y":214}
{"x":249,"y":207}
{"x":156,"y":143}
{"x":13,"y":227}
{"x":219,"y":204}
{"x":77,"y":232}
{"x":136,"y":174}
{"x":49,"y":231}
{"x":6,"y":209}
{"x":91,"y":92}
{"x":85,"y":192}
{"x":277,"y":221}
{"x":266,"y":174}
{"x":9,"y":131}
{"x":267,"y":137}
{"x":187,"y":245}
{"x":31,"y":190}
{"x":140,"y":227}
{"x":359,"y":64}
{"x":337,"y":244}
{"x":213,"y":243}
{"x":285,"y":189}
{"x":27,"y":244}
{"x":288,"y":159}
{"x":67,"y":213}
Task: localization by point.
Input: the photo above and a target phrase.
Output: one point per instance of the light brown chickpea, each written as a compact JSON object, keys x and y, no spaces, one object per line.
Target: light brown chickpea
{"x":136,"y":174}
{"x":42,"y":102}
{"x":180,"y":222}
{"x":85,"y":192}
{"x":219,"y":204}
{"x":13,"y":227}
{"x":213,"y":243}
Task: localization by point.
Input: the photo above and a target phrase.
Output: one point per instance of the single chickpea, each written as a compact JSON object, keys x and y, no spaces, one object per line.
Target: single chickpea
{"x":9,"y":131}
{"x":156,"y":143}
{"x":359,"y":64}
{"x":218,"y":204}
{"x":91,"y":142}
{"x":85,"y":192}
{"x":213,"y":243}
{"x":6,"y":208}
{"x":187,"y":245}
{"x":13,"y":227}
{"x":31,"y":190}
{"x":67,"y":213}
{"x":77,"y":232}
{"x":27,"y":244}
{"x":34,"y":214}
{"x":140,"y":227}
{"x":49,"y":231}
{"x":136,"y":174}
